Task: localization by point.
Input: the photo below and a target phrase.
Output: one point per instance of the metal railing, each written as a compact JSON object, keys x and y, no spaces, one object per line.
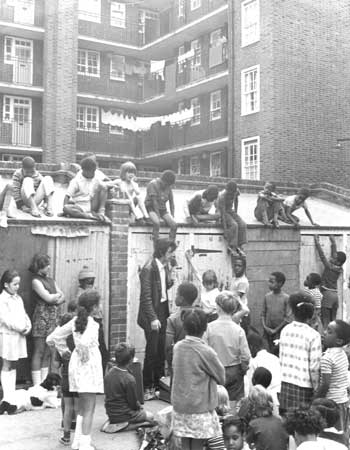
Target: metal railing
{"x":20,"y":71}
{"x":16,"y":132}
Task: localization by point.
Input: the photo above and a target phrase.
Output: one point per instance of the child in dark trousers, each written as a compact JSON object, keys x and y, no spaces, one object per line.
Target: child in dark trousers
{"x":332,"y":270}
{"x":334,"y":369}
{"x":275,"y":310}
{"x":122,"y":406}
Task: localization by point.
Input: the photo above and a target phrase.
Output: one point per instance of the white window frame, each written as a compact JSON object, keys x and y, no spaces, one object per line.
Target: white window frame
{"x":85,"y":118}
{"x":254,"y":140}
{"x":90,"y":10}
{"x":118,"y":76}
{"x":212,"y":174}
{"x":85,"y":64}
{"x":197,"y":58}
{"x":181,"y":65}
{"x":180,"y":166}
{"x":195,"y":4}
{"x":8,"y":107}
{"x":215,"y":105}
{"x":118,"y":14}
{"x":195,"y":104}
{"x":180,"y":8}
{"x":250,"y":97}
{"x":112,"y":129}
{"x":246,"y":38}
{"x":198,"y":162}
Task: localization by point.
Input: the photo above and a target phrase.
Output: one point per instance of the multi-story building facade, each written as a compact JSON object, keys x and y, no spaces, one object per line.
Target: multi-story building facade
{"x":246,"y":88}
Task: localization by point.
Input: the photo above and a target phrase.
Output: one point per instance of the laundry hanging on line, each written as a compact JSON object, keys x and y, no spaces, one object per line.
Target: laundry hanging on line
{"x":184,"y":56}
{"x":158,"y":68}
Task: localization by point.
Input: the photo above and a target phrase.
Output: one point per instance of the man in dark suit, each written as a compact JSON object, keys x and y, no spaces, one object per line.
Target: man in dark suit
{"x":154,"y":311}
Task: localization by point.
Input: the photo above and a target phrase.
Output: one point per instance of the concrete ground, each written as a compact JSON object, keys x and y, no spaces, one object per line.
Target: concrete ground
{"x":40,"y":430}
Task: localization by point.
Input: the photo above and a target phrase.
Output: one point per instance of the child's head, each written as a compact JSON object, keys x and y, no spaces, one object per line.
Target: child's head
{"x":231,"y":187}
{"x":302,"y":195}
{"x":255,"y":343}
{"x":340,"y":259}
{"x":302,"y":306}
{"x":239,"y":266}
{"x":124,"y":354}
{"x":337,"y":334}
{"x":72,"y":307}
{"x":328,"y":409}
{"x":211,"y":193}
{"x":209,"y":280}
{"x":186,"y":294}
{"x":195,"y":322}
{"x":127,"y":170}
{"x":87,"y":303}
{"x":223,"y":401}
{"x":86,"y":278}
{"x":40,"y":264}
{"x":269,"y":186}
{"x":261,"y":376}
{"x":261,"y":401}
{"x":304,"y":424}
{"x":312,"y":280}
{"x":233,"y":430}
{"x":276,"y":281}
{"x":88,"y":166}
{"x":10,"y":281}
{"x":227,"y":303}
{"x":164,"y":249}
{"x":28,"y":166}
{"x":168,"y":177}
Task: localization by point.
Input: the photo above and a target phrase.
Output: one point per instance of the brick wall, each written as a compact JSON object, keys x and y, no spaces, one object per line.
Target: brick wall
{"x":60,"y":81}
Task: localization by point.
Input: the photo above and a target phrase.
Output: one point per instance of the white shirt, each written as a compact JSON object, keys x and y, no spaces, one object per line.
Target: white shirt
{"x":208,"y":302}
{"x":270,"y":362}
{"x":161,"y":269}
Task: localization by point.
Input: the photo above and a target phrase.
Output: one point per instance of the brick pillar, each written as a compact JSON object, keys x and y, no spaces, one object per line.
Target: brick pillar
{"x":118,"y":212}
{"x":60,"y":81}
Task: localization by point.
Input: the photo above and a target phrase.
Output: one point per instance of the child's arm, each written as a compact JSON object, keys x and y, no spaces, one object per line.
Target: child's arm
{"x":152,"y":193}
{"x":308,"y":214}
{"x":289,"y":215}
{"x":236,"y":200}
{"x":171,"y":203}
{"x":222,"y":209}
{"x":58,"y":337}
{"x":244,"y":351}
{"x":326,"y":372}
{"x":333,"y":246}
{"x":16,"y":186}
{"x":131,"y":396}
{"x":213,"y":366}
{"x":315,"y":354}
{"x":323,"y":258}
{"x":263,"y":317}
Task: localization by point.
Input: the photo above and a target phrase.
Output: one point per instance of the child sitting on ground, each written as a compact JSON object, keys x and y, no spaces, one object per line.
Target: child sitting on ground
{"x":129,"y":187}
{"x":269,"y":206}
{"x":275,"y":310}
{"x":86,"y":195}
{"x":233,"y":429}
{"x":334,"y":369}
{"x":122,"y":406}
{"x":263,"y":377}
{"x":305,"y":425}
{"x":197,"y":208}
{"x":332,"y":270}
{"x":30,"y":189}
{"x":235,"y":229}
{"x":185,"y":297}
{"x":158,"y":194}
{"x":294,"y":202}
{"x":228,"y":339}
{"x":330,"y":436}
{"x":312,"y":286}
{"x":209,"y":293}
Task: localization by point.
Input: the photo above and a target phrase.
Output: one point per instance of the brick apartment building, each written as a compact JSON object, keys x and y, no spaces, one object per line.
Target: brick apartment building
{"x":267,"y":82}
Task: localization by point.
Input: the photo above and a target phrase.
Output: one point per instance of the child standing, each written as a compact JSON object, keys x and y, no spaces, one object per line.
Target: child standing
{"x":235,"y":229}
{"x":122,"y":406}
{"x":300,"y":355}
{"x":197,"y":371}
{"x":229,"y":341}
{"x":240,"y":287}
{"x":14,"y":326}
{"x":334,"y":369}
{"x":159,"y":193}
{"x":209,"y":293}
{"x":312,"y":286}
{"x":332,"y":270}
{"x":85,"y":367}
{"x":275,"y":311}
{"x":130,"y":189}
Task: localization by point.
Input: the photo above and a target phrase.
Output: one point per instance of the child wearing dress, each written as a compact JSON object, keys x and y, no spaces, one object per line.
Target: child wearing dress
{"x":46,"y":297}
{"x":209,"y":293}
{"x":197,"y":371}
{"x":85,"y":367}
{"x":14,"y":326}
{"x":130,"y":189}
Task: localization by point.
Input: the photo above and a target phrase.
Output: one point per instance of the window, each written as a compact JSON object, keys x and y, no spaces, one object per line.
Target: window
{"x":197,"y":59}
{"x":215,"y":38}
{"x":18,"y":109}
{"x":12,"y":158}
{"x":250,"y":85}
{"x":215,"y":105}
{"x":195,"y":4}
{"x":118,"y":14}
{"x":251,"y":158}
{"x":87,"y":118}
{"x":90,"y":10}
{"x":88,"y":63}
{"x":250,"y":22}
{"x":181,"y":166}
{"x":216,"y":164}
{"x":195,"y":165}
{"x":113,"y":129}
{"x":196,"y":120}
{"x":181,"y":64}
{"x":180,"y":8}
{"x":117,"y":68}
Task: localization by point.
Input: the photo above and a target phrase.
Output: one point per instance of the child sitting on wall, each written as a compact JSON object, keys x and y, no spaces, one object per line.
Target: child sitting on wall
{"x":294,"y":202}
{"x":269,"y":206}
{"x":197,"y":208}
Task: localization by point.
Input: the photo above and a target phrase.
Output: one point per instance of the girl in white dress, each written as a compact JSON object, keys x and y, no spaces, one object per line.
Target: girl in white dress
{"x":14,"y":326}
{"x":85,"y":368}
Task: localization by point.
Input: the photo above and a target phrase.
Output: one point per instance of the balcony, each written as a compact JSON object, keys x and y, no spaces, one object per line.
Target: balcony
{"x":24,"y":15}
{"x":20,"y":133}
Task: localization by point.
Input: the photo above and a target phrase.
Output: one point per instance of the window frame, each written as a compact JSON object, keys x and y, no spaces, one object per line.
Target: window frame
{"x":8,"y":106}
{"x":90,"y":15}
{"x":117,"y":78}
{"x":181,"y":65}
{"x":192,"y":158}
{"x":196,"y":119}
{"x":256,"y":38}
{"x":196,"y":61}
{"x":180,"y":9}
{"x":245,"y":94}
{"x":114,"y":21}
{"x":244,"y":143}
{"x":214,"y":110}
{"x":195,"y":4}
{"x":85,"y":127}
{"x":220,"y":153}
{"x":181,"y":165}
{"x":86,"y":63}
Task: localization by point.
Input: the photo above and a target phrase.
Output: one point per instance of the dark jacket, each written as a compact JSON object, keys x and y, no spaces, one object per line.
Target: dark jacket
{"x":150,"y":295}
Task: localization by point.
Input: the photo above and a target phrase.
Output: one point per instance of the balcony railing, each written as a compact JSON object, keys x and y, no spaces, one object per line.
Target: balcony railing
{"x":20,"y":71}
{"x":16,"y":132}
{"x":22,"y":12}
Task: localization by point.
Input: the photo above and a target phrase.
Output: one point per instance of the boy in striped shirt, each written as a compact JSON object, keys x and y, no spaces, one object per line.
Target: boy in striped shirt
{"x":334,"y":369}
